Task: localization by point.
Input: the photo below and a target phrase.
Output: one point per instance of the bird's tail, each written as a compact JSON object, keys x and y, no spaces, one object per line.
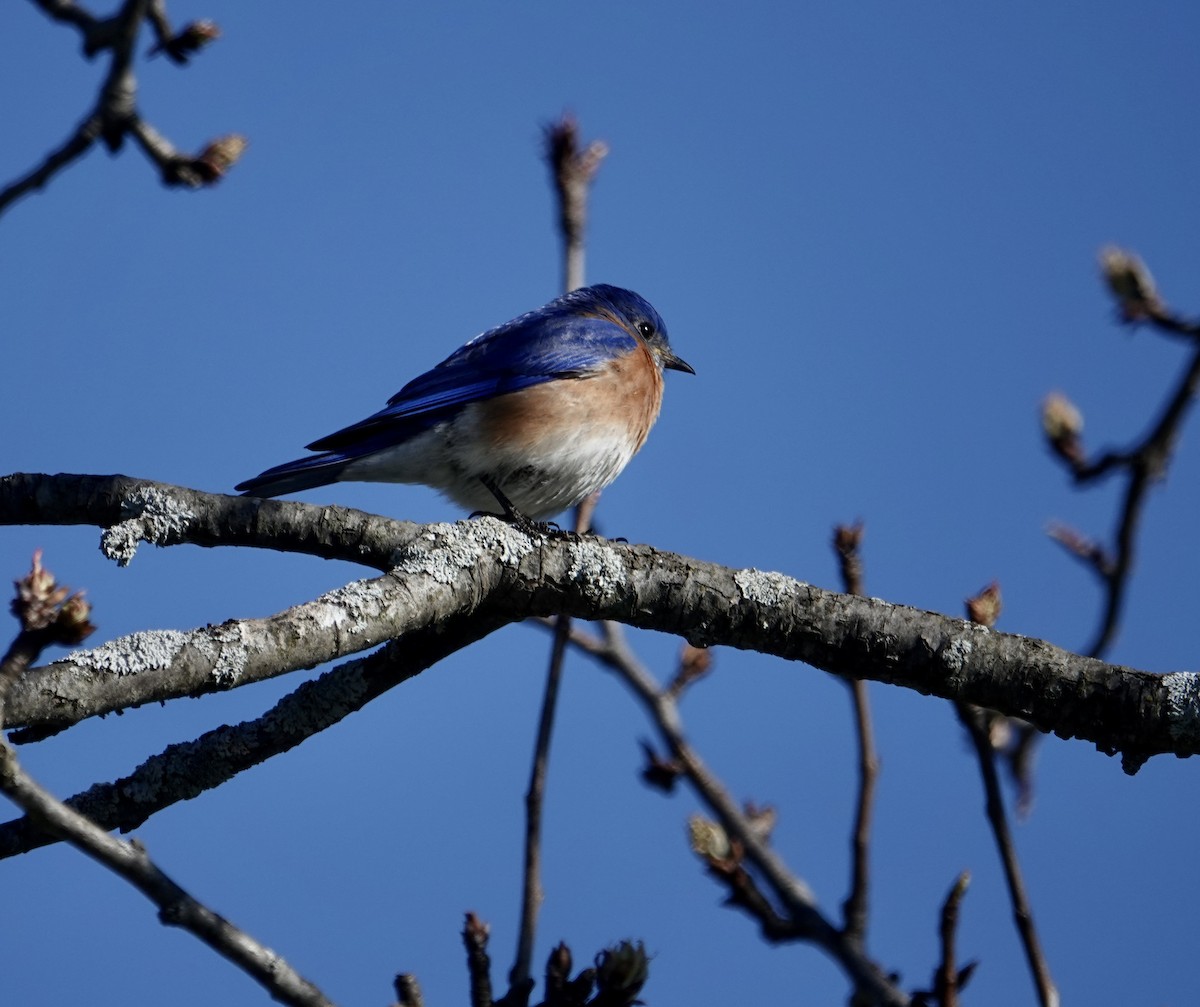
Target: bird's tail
{"x":294,"y":476}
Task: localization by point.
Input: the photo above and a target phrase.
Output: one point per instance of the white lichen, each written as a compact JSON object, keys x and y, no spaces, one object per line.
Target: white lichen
{"x":150,"y":516}
{"x":444,"y":551}
{"x":135,"y":654}
{"x":766,"y":588}
{"x":955,"y":654}
{"x":1183,"y":704}
{"x":351,"y":609}
{"x":597,"y":563}
{"x":225,"y":648}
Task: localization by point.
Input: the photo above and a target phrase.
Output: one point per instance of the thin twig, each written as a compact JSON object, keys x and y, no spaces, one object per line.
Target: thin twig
{"x":479,"y":965}
{"x":795,"y":897}
{"x":520,"y":977}
{"x":408,"y":991}
{"x":186,"y":770}
{"x":946,"y":981}
{"x":573,"y":170}
{"x":49,"y":614}
{"x":114,"y":114}
{"x":975,"y":721}
{"x":855,"y":908}
{"x":847,"y":542}
{"x":1145,"y":463}
{"x":175,"y":906}
{"x":69,"y":13}
{"x":1148,"y":465}
{"x":75,"y":146}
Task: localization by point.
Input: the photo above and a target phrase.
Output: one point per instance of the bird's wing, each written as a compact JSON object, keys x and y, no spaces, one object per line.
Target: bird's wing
{"x":539,"y":346}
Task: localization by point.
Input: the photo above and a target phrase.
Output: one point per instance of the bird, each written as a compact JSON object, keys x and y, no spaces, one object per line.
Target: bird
{"x":534,"y":415}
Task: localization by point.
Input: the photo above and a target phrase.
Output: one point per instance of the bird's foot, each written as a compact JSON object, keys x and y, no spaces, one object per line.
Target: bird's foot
{"x":547,"y":529}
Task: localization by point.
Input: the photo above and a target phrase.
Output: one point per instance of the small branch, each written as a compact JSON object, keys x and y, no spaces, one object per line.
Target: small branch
{"x":947,"y":979}
{"x":49,"y":614}
{"x":96,"y":33}
{"x":799,"y":904}
{"x":185,"y":771}
{"x":1144,"y":464}
{"x":855,"y":909}
{"x":175,"y":906}
{"x":155,"y":666}
{"x":114,"y":114}
{"x":520,"y":977}
{"x":479,"y":966}
{"x":408,"y":991}
{"x":847,"y":543}
{"x":76,"y":145}
{"x":572,"y":174}
{"x":484,"y":569}
{"x":975,"y":721}
{"x":573,"y":171}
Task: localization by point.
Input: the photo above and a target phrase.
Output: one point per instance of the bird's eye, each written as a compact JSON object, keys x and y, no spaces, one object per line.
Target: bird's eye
{"x":645,"y":329}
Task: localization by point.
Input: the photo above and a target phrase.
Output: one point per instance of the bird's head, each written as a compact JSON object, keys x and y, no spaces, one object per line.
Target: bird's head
{"x":637,"y":316}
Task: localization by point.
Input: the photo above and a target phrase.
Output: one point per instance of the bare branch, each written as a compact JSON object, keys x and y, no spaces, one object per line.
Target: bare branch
{"x":151,"y":667}
{"x":1144,"y":464}
{"x":520,"y":976}
{"x":186,"y":770}
{"x":479,"y":965}
{"x":976,"y":723}
{"x":495,"y":571}
{"x":948,"y":974}
{"x":804,"y":920}
{"x":175,"y":906}
{"x":572,"y":169}
{"x":114,"y":114}
{"x":847,"y":544}
{"x":75,"y":146}
{"x":949,"y":979}
{"x":408,"y":991}
{"x":46,"y":609}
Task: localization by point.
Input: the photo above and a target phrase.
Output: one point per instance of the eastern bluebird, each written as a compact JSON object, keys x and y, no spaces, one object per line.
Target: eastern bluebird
{"x":535,"y":414}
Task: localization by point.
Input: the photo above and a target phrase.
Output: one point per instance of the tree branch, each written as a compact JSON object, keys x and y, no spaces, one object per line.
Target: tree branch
{"x":847,"y":540}
{"x":496,"y":571}
{"x":186,"y":770}
{"x":975,"y":721}
{"x":802,"y":919}
{"x":114,"y":114}
{"x":48,"y":615}
{"x":1142,"y":465}
{"x":520,"y":976}
{"x":175,"y":906}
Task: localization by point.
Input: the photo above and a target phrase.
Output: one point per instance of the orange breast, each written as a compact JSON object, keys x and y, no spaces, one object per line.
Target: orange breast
{"x":621,"y":400}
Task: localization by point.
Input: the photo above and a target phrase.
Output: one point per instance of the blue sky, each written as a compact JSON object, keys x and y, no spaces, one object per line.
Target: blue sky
{"x":872,"y":228}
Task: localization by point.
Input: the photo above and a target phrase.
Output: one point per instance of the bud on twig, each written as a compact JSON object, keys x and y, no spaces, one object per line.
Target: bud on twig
{"x":1063,"y":425}
{"x":188,"y":41}
{"x":708,"y":840}
{"x":847,"y":540}
{"x":621,"y":972}
{"x":1131,"y":284}
{"x":694,"y":663}
{"x":660,"y":773}
{"x":219,"y":156}
{"x":761,"y":820}
{"x":1081,"y":546}
{"x":984,"y":608}
{"x":41,"y":604}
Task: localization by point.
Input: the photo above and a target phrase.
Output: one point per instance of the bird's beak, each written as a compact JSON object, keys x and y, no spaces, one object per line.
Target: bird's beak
{"x":674,"y":363}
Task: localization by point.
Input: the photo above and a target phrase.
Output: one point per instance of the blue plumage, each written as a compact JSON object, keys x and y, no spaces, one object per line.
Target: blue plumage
{"x":433,"y":429}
